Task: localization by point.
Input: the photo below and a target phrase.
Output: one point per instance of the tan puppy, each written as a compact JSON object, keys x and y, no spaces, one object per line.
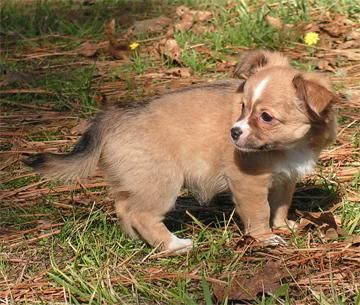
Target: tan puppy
{"x":252,"y":137}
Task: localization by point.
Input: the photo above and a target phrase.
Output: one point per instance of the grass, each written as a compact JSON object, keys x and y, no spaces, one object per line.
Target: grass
{"x":60,"y":243}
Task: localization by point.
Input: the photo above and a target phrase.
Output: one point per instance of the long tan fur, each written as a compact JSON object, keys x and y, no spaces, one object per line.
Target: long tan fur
{"x":210,"y":138}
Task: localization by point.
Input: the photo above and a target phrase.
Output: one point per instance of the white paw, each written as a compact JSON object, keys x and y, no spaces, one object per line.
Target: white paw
{"x":274,"y":240}
{"x":292,"y":225}
{"x":287,"y":224}
{"x":179,"y":245}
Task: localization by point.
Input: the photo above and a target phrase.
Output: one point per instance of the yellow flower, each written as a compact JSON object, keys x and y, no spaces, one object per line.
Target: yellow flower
{"x":311,"y":38}
{"x":134,"y":45}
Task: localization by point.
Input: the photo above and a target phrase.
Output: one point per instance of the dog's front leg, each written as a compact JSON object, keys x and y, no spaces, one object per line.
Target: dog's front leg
{"x":280,"y":198}
{"x":250,"y":194}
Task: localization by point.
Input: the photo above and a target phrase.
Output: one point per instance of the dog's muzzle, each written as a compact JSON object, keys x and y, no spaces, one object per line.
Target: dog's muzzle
{"x":236,"y":132}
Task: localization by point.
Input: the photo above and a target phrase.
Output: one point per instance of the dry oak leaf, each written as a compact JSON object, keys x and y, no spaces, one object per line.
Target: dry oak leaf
{"x":109,"y":29}
{"x":324,"y":222}
{"x":180,"y":72}
{"x":117,"y":49}
{"x":170,"y":49}
{"x":243,"y":287}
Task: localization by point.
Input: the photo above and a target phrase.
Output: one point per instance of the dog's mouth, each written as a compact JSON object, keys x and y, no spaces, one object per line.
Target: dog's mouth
{"x":249,"y":148}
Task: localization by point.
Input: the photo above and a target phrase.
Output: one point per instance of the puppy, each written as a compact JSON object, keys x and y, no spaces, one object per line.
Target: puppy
{"x":254,"y":136}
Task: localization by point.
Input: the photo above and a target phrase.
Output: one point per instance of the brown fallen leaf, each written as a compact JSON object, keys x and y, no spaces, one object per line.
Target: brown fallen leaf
{"x":170,"y":32}
{"x":275,"y":22}
{"x":88,"y":49}
{"x":337,"y":27}
{"x":325,"y":65}
{"x":154,"y":25}
{"x":324,"y":222}
{"x":170,"y":49}
{"x":109,"y":29}
{"x":181,"y":72}
{"x":182,"y":10}
{"x":189,"y":18}
{"x":201,"y":16}
{"x":243,"y":287}
{"x":225,"y":66}
{"x":185,"y":23}
{"x":118,"y":50}
{"x":311,"y":27}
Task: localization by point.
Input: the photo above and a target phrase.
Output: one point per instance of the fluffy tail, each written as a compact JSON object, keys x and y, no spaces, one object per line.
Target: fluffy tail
{"x":80,"y":162}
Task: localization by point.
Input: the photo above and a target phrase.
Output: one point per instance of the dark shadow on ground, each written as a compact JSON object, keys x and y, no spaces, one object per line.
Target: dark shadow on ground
{"x":308,"y":197}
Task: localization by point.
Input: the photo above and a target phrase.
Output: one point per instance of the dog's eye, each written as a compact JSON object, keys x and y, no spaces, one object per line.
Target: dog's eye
{"x":266,"y":117}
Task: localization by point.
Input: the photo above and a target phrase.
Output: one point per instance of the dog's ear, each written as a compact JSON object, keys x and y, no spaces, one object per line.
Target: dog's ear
{"x":240,"y":89}
{"x":316,"y":98}
{"x":249,"y":63}
{"x":253,"y":61}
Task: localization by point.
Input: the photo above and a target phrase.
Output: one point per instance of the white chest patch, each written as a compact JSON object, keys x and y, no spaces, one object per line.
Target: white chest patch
{"x":298,"y":162}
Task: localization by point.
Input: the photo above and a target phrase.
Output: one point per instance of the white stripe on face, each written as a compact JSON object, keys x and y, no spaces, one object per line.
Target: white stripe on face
{"x":243,"y":124}
{"x":259,"y":89}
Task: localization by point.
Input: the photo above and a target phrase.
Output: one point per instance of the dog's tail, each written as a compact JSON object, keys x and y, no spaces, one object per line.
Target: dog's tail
{"x":80,"y":162}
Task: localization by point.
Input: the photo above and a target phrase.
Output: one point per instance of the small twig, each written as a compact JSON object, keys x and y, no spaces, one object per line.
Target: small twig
{"x":26,"y":91}
{"x":32,"y":240}
{"x":346,"y":127}
{"x":9,"y":194}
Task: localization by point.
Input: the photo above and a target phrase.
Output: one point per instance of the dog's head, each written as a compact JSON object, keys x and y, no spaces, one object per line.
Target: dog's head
{"x":280,"y":106}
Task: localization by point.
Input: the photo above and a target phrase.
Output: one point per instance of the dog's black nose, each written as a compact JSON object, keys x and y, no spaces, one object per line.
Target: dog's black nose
{"x":235,"y":133}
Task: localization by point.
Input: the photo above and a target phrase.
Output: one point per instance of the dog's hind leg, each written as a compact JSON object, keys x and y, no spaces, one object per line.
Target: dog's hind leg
{"x":154,"y":231}
{"x":148,"y":209}
{"x":141,"y":215}
{"x":122,"y":210}
{"x":152,"y":181}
